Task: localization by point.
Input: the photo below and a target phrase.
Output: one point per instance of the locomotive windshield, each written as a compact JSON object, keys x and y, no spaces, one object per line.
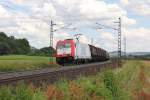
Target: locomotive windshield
{"x":61,"y":46}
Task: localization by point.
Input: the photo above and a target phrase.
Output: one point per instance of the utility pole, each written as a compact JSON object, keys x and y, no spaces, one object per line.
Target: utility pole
{"x":119,"y":39}
{"x":119,"y":42}
{"x":52,"y":30}
{"x":51,"y":42}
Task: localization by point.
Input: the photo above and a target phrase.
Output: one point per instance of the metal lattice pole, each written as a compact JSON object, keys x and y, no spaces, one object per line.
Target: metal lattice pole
{"x":51,"y":42}
{"x":52,"y":30}
{"x":119,"y":43}
{"x":119,"y":38}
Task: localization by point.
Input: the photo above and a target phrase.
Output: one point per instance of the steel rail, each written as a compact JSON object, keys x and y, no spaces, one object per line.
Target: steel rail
{"x":37,"y":77}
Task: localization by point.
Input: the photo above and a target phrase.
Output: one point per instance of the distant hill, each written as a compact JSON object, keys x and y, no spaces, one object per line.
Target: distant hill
{"x":139,"y":53}
{"x":115,"y":54}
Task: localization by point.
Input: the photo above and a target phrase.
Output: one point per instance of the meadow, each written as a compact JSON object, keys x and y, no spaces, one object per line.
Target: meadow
{"x":130,"y":82}
{"x":22,"y":62}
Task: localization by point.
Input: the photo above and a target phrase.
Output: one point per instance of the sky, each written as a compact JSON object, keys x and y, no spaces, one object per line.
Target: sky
{"x":31,"y":19}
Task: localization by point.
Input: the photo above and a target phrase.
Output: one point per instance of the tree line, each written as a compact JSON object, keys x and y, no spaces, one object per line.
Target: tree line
{"x":11,"y":45}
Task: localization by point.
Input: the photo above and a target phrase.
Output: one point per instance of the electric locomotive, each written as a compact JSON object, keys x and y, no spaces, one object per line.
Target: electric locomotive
{"x":70,"y":51}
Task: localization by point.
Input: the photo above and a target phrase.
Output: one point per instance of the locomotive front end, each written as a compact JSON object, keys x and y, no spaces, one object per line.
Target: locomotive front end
{"x":65,"y":51}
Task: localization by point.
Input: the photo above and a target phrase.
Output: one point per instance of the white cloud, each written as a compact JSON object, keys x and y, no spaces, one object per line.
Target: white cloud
{"x":108,"y":41}
{"x":125,"y":2}
{"x":127,"y":22}
{"x":90,"y":10}
{"x":141,"y":7}
{"x":5,"y":13}
{"x":138,"y":39}
{"x":138,"y":32}
{"x":35,"y":24}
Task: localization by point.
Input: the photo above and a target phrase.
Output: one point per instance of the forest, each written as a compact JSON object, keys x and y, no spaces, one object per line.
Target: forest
{"x":9,"y":45}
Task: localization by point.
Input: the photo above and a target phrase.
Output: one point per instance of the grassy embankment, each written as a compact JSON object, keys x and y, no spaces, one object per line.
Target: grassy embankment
{"x":131,"y":82}
{"x":22,"y":62}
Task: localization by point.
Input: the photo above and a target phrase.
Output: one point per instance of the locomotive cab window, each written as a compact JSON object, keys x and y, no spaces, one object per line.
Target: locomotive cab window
{"x":60,"y":46}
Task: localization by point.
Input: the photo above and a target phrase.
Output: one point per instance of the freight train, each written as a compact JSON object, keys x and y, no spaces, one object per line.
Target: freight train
{"x":69,"y":51}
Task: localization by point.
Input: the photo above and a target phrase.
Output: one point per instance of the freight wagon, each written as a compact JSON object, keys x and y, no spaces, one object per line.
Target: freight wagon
{"x":69,"y":51}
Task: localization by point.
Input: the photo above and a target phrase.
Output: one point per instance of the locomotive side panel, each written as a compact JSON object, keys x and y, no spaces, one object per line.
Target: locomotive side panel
{"x":82,"y":51}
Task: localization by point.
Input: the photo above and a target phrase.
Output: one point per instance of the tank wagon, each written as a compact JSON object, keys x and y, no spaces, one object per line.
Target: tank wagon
{"x":69,"y":51}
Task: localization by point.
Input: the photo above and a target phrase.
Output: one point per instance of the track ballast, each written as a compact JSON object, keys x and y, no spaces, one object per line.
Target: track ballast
{"x":50,"y":75}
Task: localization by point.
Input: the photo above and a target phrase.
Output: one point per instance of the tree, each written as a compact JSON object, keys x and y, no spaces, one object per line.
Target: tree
{"x":2,"y":34}
{"x":43,"y":51}
{"x":4,"y":48}
{"x":11,"y":45}
{"x":15,"y":46}
{"x":23,"y":46}
{"x":3,"y":37}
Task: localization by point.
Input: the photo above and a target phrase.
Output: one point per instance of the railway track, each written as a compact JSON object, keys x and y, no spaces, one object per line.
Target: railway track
{"x":50,"y":75}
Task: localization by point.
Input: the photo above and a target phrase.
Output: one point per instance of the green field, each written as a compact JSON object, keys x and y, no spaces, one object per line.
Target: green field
{"x":22,"y":62}
{"x":130,"y":82}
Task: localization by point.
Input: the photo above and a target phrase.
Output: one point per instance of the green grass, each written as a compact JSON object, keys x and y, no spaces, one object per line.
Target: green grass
{"x":126,"y":83}
{"x":22,"y":62}
{"x":22,"y":92}
{"x":123,"y":83}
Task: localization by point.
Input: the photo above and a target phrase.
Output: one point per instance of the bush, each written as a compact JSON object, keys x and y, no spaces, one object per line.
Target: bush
{"x":39,"y":95}
{"x":112,"y":84}
{"x":63,"y":85}
{"x":6,"y":93}
{"x":21,"y":92}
